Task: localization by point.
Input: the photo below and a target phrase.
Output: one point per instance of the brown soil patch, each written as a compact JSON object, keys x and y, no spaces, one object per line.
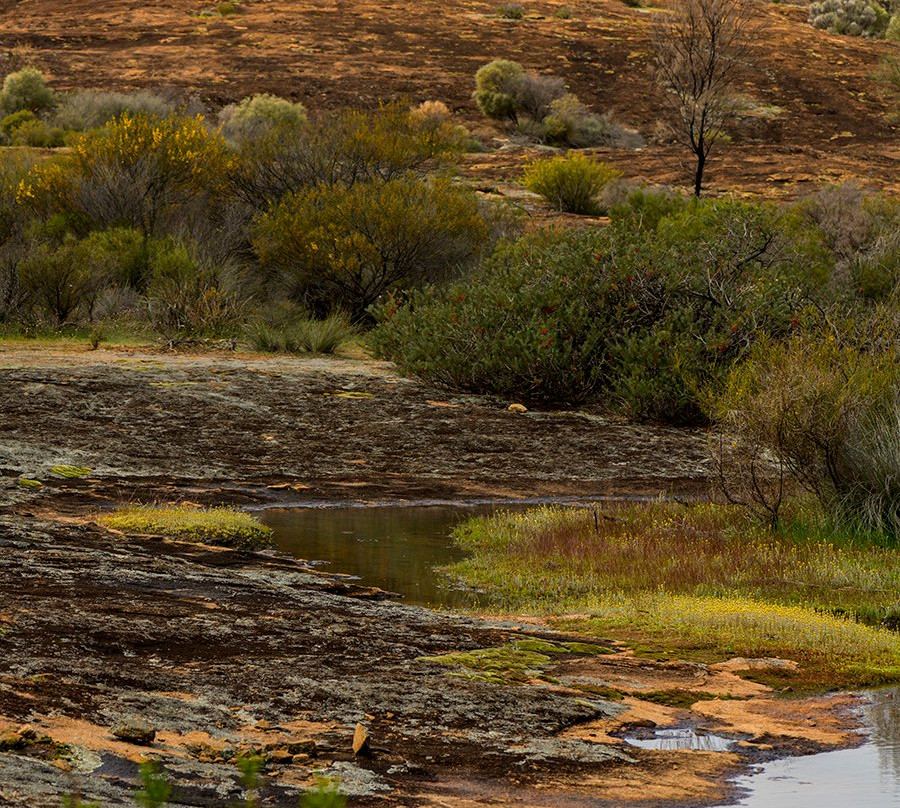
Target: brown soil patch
{"x":331,"y":53}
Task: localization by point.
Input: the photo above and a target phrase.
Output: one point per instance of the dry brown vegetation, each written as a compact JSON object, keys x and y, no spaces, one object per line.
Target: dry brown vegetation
{"x":335,"y":54}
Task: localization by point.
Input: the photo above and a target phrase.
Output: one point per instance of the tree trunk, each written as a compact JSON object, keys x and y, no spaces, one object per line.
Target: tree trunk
{"x":698,"y":174}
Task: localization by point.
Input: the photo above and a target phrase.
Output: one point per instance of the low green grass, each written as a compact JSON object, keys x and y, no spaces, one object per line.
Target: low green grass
{"x":702,"y":579}
{"x":225,"y":527}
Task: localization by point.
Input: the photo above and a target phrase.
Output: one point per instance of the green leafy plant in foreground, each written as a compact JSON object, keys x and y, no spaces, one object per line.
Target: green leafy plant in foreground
{"x":326,"y":794}
{"x":155,"y":789}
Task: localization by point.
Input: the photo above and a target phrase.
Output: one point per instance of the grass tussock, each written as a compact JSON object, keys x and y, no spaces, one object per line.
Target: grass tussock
{"x":220,"y":526}
{"x":311,"y":336}
{"x":704,"y":577}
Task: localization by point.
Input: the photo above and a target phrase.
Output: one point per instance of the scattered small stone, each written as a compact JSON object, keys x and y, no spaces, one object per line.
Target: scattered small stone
{"x":301,"y":758}
{"x":139,"y":734}
{"x":360,"y":740}
{"x":280,"y":756}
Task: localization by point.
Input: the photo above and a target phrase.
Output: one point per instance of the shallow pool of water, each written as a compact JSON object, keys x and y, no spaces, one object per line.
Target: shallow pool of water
{"x":867,"y":777}
{"x":680,"y":738}
{"x":394,"y":548}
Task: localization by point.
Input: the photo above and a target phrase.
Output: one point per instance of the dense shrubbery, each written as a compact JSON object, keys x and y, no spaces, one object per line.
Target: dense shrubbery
{"x":345,"y":246}
{"x":642,"y":317}
{"x":826,"y":407}
{"x":569,"y":183}
{"x":853,"y":17}
{"x":541,"y":107}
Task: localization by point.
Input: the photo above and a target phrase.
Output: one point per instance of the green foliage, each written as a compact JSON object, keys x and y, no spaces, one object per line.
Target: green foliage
{"x":852,"y":17}
{"x":303,"y":335}
{"x":250,"y":768}
{"x":495,"y":88}
{"x":12,"y":122}
{"x":260,"y":115}
{"x":26,"y":89}
{"x":135,"y":172}
{"x":511,"y":11}
{"x":705,"y":577}
{"x":155,"y":789}
{"x":348,"y":148}
{"x":91,"y":109}
{"x":37,"y":134}
{"x":642,"y":320}
{"x":826,"y":412}
{"x":892,"y":33}
{"x":344,"y":246}
{"x":570,"y":122}
{"x":72,"y":801}
{"x":221,"y":526}
{"x":326,"y":794}
{"x":186,"y":298}
{"x":57,"y":280}
{"x":570,"y":183}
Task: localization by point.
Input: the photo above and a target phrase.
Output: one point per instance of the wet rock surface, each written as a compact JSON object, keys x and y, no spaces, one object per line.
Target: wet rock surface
{"x":220,"y":652}
{"x":185,"y":639}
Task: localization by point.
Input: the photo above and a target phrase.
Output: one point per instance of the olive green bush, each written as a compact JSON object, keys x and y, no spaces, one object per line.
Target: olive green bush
{"x":26,"y":89}
{"x":345,"y":245}
{"x":350,"y":147}
{"x":83,"y":110}
{"x":642,"y":320}
{"x":823,"y":409}
{"x":262,"y":114}
{"x":570,"y":183}
{"x":851,"y":17}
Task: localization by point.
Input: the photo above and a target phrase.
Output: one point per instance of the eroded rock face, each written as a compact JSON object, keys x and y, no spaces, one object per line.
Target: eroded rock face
{"x":218,"y":650}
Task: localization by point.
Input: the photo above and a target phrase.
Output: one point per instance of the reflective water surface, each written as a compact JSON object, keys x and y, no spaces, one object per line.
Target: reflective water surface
{"x":398,"y":549}
{"x":867,"y":777}
{"x":682,"y":738}
{"x":395,"y":548}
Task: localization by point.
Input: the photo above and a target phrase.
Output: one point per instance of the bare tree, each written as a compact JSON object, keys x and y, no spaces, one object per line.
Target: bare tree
{"x":699,"y":49}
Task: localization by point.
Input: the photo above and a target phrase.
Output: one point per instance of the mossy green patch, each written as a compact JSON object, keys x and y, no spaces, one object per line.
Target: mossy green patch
{"x":221,"y":526}
{"x":25,"y":482}
{"x":70,"y":472}
{"x":502,"y":665}
{"x":675,"y":697}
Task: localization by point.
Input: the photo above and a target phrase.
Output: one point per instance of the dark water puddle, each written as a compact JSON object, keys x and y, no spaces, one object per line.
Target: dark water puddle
{"x":680,"y":738}
{"x":868,"y":776}
{"x":395,"y":548}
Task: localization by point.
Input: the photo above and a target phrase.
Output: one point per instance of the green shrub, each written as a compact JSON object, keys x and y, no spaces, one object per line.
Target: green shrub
{"x":351,"y":147}
{"x":642,"y":321}
{"x":12,"y":122}
{"x":892,"y":33}
{"x":221,"y":526}
{"x":532,"y":323}
{"x":495,"y":87}
{"x":644,"y":208}
{"x":187,"y":299}
{"x":825,"y":411}
{"x":570,"y":183}
{"x":38,"y":134}
{"x":345,"y":246}
{"x":511,"y":11}
{"x":59,"y":279}
{"x":261,"y":114}
{"x":90,"y":109}
{"x":303,"y":335}
{"x":569,"y":121}
{"x":136,"y":171}
{"x":26,"y":89}
{"x":853,"y":17}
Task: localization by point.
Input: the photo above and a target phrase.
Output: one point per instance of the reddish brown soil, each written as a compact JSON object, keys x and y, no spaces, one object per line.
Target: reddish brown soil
{"x":333,"y":54}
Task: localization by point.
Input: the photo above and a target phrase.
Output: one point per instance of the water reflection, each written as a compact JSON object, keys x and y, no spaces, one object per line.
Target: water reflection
{"x":395,"y":548}
{"x":670,"y":739}
{"x":868,"y":776}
